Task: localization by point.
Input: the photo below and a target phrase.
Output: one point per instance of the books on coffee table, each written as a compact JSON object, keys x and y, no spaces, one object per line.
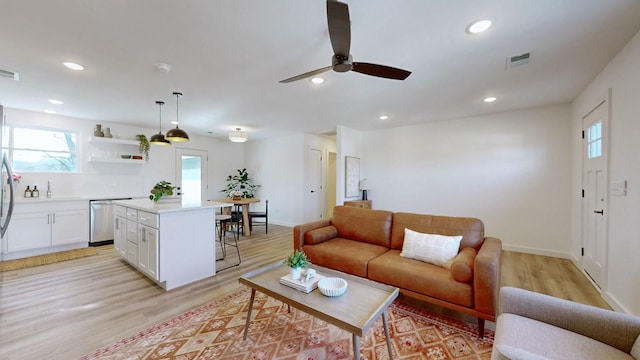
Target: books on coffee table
{"x":305,"y":287}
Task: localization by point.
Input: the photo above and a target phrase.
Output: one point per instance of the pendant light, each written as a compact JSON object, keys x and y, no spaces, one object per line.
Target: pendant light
{"x":158,"y":139}
{"x":177,"y":134}
{"x":238,"y":136}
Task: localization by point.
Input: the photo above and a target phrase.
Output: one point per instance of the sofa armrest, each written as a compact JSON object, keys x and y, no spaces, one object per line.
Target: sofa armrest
{"x":300,"y":230}
{"x":486,"y":276}
{"x":612,"y":328}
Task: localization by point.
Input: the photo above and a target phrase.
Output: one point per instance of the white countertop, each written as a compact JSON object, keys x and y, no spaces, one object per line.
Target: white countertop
{"x":156,"y":208}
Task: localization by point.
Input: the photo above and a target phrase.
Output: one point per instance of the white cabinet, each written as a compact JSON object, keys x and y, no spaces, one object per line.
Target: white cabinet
{"x":29,"y":231}
{"x":120,"y":235}
{"x":169,"y":244}
{"x":68,"y":227}
{"x":45,"y":226}
{"x":148,"y":251}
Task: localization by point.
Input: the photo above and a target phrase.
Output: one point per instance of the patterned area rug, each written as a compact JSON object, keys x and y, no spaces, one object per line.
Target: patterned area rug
{"x":214,"y":331}
{"x":38,"y":260}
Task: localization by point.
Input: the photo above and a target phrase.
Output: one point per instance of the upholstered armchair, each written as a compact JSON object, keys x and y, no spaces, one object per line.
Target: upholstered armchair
{"x":536,"y":326}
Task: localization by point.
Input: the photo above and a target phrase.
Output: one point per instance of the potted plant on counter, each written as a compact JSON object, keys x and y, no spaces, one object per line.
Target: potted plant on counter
{"x":296,"y":262}
{"x":161,"y":189}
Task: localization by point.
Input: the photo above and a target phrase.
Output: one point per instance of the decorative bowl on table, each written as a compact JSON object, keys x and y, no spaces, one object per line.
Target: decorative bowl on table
{"x":332,"y":286}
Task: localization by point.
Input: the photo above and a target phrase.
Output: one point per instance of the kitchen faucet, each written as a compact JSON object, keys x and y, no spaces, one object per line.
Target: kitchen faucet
{"x":48,"y":189}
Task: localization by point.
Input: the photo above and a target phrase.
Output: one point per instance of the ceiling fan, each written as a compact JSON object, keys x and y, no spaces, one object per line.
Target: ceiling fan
{"x":340,"y":36}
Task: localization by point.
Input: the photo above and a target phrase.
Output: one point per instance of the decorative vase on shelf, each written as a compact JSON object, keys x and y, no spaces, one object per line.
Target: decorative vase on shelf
{"x":98,"y":131}
{"x":107,"y":133}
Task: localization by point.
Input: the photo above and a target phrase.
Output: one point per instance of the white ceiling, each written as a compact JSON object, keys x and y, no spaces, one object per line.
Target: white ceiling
{"x":227,"y":57}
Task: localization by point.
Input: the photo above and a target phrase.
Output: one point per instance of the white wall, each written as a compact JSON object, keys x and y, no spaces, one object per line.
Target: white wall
{"x":277,"y":164}
{"x":622,"y":75}
{"x":511,"y":170}
{"x":119,"y":180}
{"x":349,"y":143}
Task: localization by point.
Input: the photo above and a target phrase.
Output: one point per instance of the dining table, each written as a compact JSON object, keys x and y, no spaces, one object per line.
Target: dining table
{"x":244,"y":203}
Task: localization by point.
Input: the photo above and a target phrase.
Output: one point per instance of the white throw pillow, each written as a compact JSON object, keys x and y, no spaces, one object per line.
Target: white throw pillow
{"x":434,"y":249}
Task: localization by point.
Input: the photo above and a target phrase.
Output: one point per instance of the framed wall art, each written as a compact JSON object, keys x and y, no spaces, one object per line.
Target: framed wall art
{"x":351,"y":176}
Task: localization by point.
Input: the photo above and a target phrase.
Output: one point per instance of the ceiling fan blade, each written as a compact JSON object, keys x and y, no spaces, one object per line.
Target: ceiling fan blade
{"x":380,"y":70}
{"x":339,"y":27}
{"x":306,"y":75}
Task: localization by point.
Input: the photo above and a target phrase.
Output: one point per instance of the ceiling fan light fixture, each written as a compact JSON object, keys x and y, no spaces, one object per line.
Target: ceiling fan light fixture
{"x":317,"y":80}
{"x":177,"y":134}
{"x":479,"y":26}
{"x":238,"y":136}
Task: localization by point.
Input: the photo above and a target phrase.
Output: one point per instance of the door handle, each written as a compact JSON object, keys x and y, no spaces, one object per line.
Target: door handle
{"x":601,"y":212}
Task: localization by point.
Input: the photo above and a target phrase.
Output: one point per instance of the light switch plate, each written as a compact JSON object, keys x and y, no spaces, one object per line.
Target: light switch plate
{"x":618,"y":188}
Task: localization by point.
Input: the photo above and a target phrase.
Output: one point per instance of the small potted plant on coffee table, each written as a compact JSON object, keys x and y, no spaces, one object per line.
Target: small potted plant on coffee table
{"x":296,"y":261}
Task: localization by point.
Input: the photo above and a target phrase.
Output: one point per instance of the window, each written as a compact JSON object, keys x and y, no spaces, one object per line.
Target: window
{"x":594,"y":140}
{"x":37,"y":149}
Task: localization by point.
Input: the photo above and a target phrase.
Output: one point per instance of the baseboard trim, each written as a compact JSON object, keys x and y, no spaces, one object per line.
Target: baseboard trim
{"x":537,"y":251}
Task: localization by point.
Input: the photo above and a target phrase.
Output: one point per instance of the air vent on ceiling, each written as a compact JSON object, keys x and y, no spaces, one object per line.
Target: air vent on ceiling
{"x":518,"y":60}
{"x":9,"y":74}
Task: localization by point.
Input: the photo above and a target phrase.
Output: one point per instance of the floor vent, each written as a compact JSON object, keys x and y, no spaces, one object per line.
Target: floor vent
{"x":9,"y":74}
{"x":518,"y":60}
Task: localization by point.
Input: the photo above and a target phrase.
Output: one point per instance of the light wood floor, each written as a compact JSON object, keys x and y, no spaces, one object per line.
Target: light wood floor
{"x":68,"y":309}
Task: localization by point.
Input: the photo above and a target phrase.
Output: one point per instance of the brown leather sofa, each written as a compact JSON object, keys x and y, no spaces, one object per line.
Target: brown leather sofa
{"x":368,"y":243}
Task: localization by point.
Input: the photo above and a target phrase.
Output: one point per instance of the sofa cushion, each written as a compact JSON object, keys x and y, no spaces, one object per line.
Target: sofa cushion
{"x":431,"y":248}
{"x":462,"y":265}
{"x":344,"y":255}
{"x":365,"y":225}
{"x":319,"y":235}
{"x":518,"y":335}
{"x":421,"y":277}
{"x":471,"y":229}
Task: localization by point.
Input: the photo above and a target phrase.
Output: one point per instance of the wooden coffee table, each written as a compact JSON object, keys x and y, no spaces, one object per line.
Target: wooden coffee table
{"x":355,"y":311}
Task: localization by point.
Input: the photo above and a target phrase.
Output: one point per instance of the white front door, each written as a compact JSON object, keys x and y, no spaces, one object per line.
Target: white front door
{"x":595,"y":184}
{"x":313,"y":186}
{"x":191,"y":175}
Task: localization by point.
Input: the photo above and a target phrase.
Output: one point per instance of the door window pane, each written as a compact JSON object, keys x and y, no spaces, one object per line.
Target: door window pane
{"x":594,"y":140}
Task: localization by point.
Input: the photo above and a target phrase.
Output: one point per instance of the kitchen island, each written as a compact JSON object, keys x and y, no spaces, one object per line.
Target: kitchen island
{"x":172,"y":243}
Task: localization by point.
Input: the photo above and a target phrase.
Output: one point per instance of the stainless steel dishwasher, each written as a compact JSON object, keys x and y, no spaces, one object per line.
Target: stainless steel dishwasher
{"x":102,"y":221}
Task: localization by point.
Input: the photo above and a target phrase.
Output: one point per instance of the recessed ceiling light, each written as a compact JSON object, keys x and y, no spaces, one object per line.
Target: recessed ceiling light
{"x":490,"y":99}
{"x":73,"y":66}
{"x":317,"y":80}
{"x":383,"y":117}
{"x":56,"y":102}
{"x":50,"y":111}
{"x":479,"y":26}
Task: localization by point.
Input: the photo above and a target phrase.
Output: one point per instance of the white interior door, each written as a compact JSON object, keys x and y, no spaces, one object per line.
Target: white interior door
{"x":191,"y":175}
{"x":313,"y":186}
{"x":595,"y":200}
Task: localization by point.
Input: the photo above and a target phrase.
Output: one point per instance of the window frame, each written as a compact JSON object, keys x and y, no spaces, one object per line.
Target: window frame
{"x":9,"y":148}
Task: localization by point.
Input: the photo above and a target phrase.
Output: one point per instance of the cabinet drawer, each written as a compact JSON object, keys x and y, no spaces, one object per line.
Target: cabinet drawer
{"x":132,"y":214}
{"x":119,"y":211}
{"x":148,"y":219}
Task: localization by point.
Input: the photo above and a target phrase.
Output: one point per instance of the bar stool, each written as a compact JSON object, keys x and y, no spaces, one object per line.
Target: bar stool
{"x":225,"y":222}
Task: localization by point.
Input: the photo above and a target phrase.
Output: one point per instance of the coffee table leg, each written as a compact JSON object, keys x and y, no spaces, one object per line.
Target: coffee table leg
{"x":246,"y":326}
{"x":356,"y":347}
{"x":386,"y":332}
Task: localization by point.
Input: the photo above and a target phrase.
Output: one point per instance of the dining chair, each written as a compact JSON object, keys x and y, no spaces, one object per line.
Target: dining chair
{"x":260,"y":215}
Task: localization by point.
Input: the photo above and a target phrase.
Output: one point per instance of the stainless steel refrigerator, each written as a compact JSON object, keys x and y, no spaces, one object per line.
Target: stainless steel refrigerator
{"x":6,"y":187}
